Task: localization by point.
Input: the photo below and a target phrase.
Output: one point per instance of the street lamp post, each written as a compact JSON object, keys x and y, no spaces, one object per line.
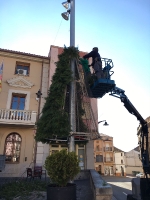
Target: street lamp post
{"x":65,"y":15}
{"x":105,"y":124}
{"x":72,"y":85}
{"x":71,"y":11}
{"x":72,"y":23}
{"x":38,"y":98}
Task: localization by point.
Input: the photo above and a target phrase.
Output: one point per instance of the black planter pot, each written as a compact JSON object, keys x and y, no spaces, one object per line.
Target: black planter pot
{"x":61,"y":193}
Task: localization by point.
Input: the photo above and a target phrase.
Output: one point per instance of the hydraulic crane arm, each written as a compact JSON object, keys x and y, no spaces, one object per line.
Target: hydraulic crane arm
{"x":119,"y":93}
{"x":143,"y":136}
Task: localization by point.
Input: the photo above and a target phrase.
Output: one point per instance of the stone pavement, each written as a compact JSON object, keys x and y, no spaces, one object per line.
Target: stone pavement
{"x":84,"y":191}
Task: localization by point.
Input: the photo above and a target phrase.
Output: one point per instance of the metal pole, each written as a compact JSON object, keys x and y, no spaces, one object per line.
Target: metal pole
{"x":72,"y":23}
{"x":72,"y":85}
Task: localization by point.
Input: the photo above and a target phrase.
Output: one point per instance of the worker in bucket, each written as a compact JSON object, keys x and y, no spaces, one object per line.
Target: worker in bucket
{"x":96,"y":62}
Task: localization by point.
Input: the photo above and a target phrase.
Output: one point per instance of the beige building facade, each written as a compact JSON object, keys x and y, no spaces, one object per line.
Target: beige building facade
{"x":22,"y":77}
{"x":104,"y":155}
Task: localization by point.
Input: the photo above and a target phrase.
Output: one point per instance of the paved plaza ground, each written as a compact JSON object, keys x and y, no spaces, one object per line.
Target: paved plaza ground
{"x":121,"y":186}
{"x":83,"y":191}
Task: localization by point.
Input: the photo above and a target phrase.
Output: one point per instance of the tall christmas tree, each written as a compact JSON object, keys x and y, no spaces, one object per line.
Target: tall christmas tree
{"x":55,"y":117}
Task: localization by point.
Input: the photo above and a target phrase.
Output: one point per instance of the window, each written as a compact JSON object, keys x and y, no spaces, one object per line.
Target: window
{"x":121,"y":154}
{"x":17,"y":107}
{"x":99,"y":158}
{"x":108,"y":148}
{"x":97,"y":148}
{"x":12,"y":148}
{"x":12,"y":93}
{"x":81,"y":158}
{"x":57,"y":147}
{"x":22,"y":68}
{"x":121,"y":161}
{"x":18,"y":101}
{"x":108,"y":159}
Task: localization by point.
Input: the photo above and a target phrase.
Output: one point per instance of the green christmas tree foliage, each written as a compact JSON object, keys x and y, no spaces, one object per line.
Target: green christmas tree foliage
{"x":55,"y":120}
{"x":80,"y":126}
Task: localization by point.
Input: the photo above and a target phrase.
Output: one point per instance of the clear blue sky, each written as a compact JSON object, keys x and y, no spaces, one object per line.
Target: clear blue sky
{"x":121,"y":30}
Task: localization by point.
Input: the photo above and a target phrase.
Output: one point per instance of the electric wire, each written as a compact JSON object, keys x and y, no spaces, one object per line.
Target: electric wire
{"x":58,"y":31}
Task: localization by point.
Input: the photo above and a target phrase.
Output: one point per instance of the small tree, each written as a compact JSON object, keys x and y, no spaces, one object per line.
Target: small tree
{"x":62,"y":167}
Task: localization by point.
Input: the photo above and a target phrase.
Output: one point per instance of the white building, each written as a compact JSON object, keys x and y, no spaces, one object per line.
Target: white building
{"x":133,"y":163}
{"x":120,"y":169}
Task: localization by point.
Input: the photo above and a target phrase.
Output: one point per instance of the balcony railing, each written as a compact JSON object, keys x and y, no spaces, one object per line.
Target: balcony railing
{"x":98,"y":149}
{"x":108,"y":159}
{"x":107,"y":148}
{"x":10,"y":116}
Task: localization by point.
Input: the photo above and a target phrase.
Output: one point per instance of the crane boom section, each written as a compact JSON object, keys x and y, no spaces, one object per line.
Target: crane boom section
{"x":143,"y":135}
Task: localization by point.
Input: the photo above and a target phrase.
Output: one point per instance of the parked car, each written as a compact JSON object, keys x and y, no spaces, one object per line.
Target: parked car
{"x":140,"y":175}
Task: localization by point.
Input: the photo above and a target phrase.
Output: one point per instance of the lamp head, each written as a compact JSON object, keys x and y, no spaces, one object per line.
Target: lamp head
{"x":38,"y":94}
{"x":66,"y":4}
{"x":105,"y":124}
{"x":65,"y":15}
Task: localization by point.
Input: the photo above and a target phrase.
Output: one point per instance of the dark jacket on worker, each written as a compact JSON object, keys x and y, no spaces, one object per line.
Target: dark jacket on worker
{"x":94,"y":54}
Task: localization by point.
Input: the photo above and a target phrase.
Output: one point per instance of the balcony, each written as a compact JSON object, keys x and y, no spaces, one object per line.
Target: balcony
{"x":98,"y":149}
{"x":19,"y":117}
{"x":107,"y":148}
{"x":110,"y":159}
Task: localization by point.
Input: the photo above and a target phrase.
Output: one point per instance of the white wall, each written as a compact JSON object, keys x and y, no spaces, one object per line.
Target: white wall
{"x":133,"y":162}
{"x":43,"y":149}
{"x":118,"y":157}
{"x":132,"y":158}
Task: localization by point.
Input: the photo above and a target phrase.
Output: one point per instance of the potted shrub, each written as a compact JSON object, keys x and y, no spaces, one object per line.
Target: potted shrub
{"x":62,"y":167}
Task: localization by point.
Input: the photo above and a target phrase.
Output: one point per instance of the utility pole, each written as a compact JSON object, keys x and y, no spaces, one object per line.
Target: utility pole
{"x":72,"y":110}
{"x":73,"y":84}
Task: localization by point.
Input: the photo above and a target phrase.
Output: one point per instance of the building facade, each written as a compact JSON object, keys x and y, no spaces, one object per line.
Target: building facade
{"x":140,"y":133}
{"x":120,"y":168}
{"x":104,"y":155}
{"x":148,"y":124}
{"x":132,"y":162}
{"x":22,"y":77}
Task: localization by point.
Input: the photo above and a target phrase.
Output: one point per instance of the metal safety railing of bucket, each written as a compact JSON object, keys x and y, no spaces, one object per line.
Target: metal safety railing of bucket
{"x":107,"y":65}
